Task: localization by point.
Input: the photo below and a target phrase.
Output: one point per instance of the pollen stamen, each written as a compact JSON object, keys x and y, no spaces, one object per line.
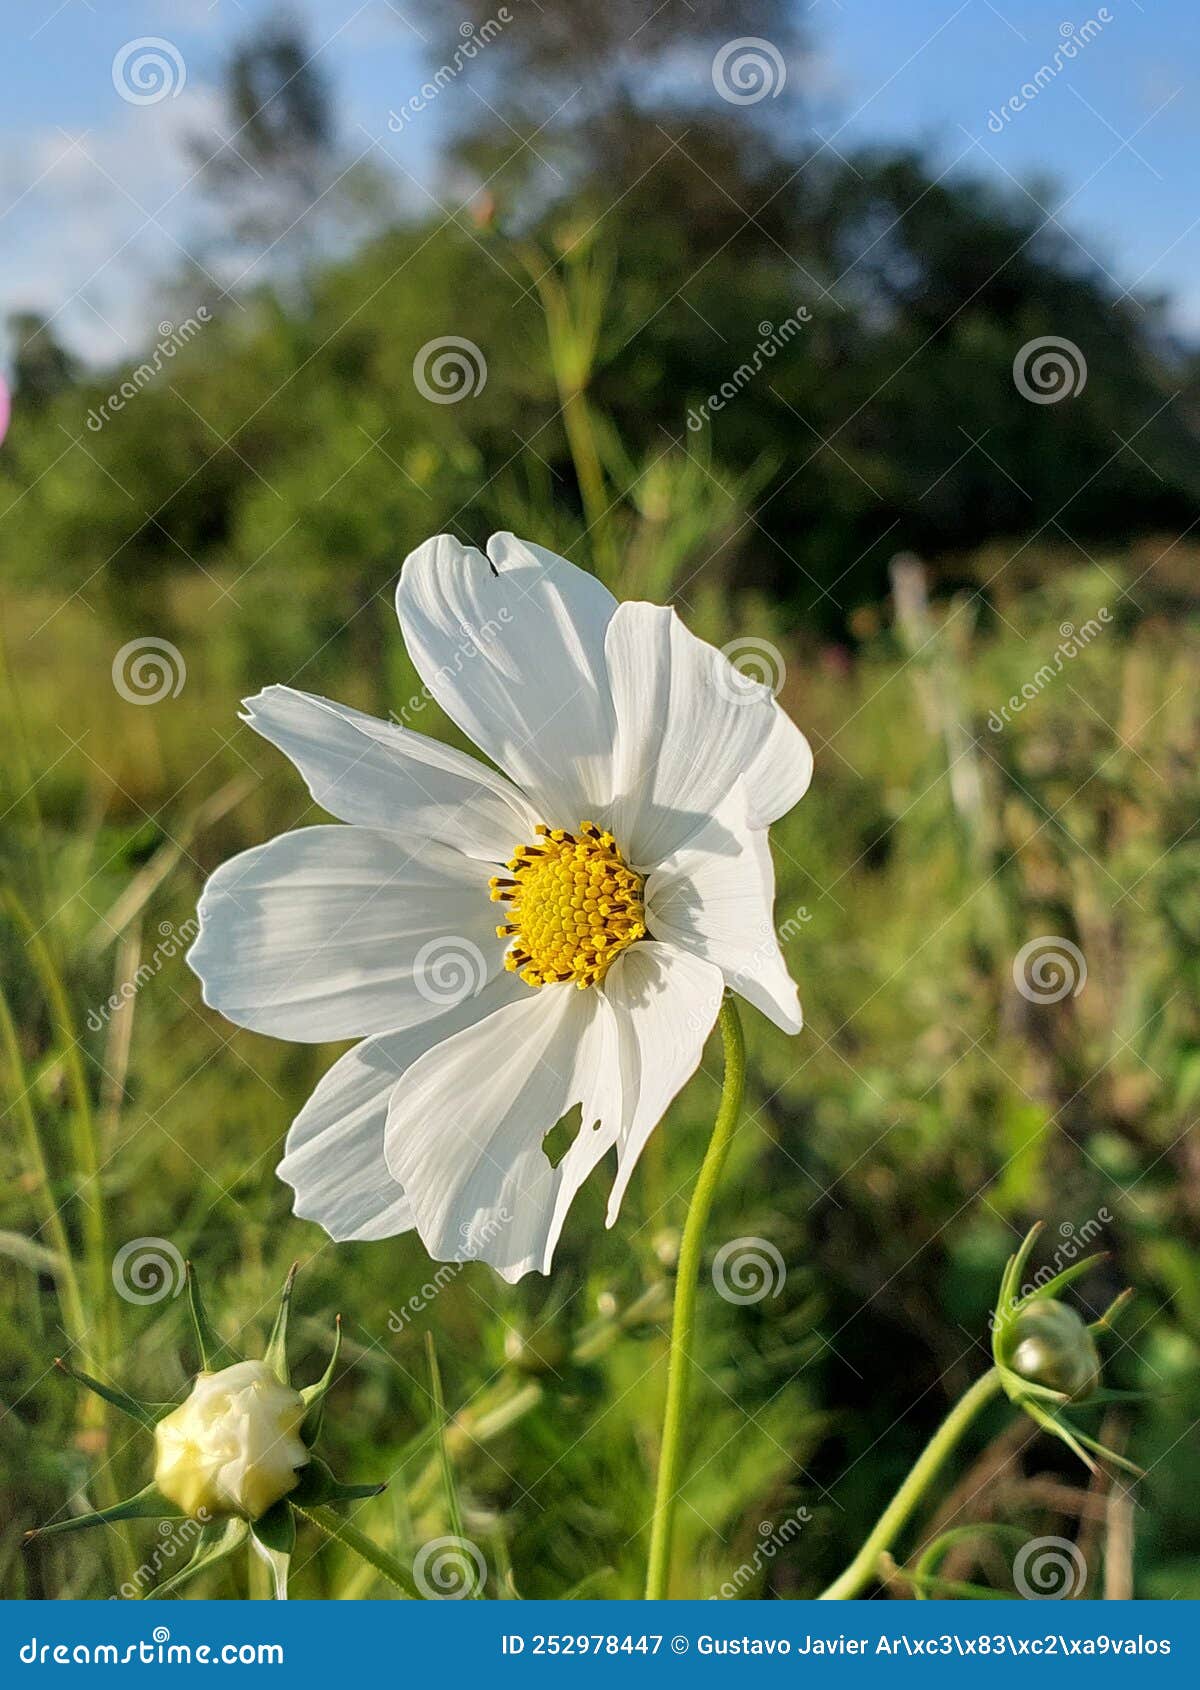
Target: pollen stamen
{"x":574,"y":905}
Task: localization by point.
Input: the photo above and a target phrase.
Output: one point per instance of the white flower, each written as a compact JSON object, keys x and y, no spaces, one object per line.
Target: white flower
{"x":641,"y":772}
{"x":234,"y":1446}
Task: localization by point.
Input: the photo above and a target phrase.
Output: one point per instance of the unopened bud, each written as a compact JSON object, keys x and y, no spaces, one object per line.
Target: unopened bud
{"x":233,"y":1448}
{"x":1052,"y":1346}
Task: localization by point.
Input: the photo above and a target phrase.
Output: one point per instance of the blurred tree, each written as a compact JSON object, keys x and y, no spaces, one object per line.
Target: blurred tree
{"x":275,"y":169}
{"x":42,"y":367}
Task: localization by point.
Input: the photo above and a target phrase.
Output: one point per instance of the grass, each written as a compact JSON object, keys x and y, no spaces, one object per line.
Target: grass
{"x":893,"y":1153}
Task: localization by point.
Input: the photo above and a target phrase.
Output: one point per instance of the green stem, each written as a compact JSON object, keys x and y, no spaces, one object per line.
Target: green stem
{"x":924,"y":1470}
{"x":341,"y":1531}
{"x":691,"y":1251}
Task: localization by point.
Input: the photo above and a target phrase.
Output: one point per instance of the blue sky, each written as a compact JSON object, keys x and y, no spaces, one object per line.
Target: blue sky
{"x":95,"y":207}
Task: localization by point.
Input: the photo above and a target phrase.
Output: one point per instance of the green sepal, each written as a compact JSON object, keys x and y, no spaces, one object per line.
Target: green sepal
{"x":1119,"y":1302}
{"x":1011,"y":1282}
{"x":208,"y":1341}
{"x":314,"y":1395}
{"x":273,"y":1537}
{"x":317,"y":1484}
{"x":142,"y":1412}
{"x":1066,"y":1277}
{"x":276,"y":1529}
{"x":216,"y":1541}
{"x":148,"y":1504}
{"x":275,"y":1354}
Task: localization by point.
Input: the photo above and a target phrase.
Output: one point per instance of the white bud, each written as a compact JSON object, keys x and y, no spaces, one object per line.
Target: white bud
{"x":233,"y":1448}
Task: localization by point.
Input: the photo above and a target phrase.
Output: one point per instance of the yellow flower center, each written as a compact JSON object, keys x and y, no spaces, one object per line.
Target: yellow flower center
{"x":575,"y":904}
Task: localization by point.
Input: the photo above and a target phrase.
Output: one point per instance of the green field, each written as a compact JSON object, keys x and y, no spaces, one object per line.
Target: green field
{"x":893,"y":1153}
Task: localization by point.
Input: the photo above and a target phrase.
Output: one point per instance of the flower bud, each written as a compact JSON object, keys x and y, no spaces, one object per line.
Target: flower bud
{"x":1052,"y":1346}
{"x":233,"y":1448}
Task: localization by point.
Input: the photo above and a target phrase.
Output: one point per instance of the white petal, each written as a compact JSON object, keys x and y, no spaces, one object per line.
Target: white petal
{"x":513,"y":651}
{"x":465,"y":1130}
{"x":665,"y":1002}
{"x":380,"y":775}
{"x":716,"y":898}
{"x":688,"y":725}
{"x":333,"y":932}
{"x":779,"y":776}
{"x":334,"y":1154}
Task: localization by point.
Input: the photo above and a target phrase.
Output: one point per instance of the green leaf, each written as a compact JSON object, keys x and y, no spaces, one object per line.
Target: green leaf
{"x":317,"y":1484}
{"x":139,"y":1411}
{"x":275,"y":1354}
{"x":148,"y":1504}
{"x":314,"y":1395}
{"x":217,"y":1541}
{"x":453,"y":1508}
{"x":211,"y":1346}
